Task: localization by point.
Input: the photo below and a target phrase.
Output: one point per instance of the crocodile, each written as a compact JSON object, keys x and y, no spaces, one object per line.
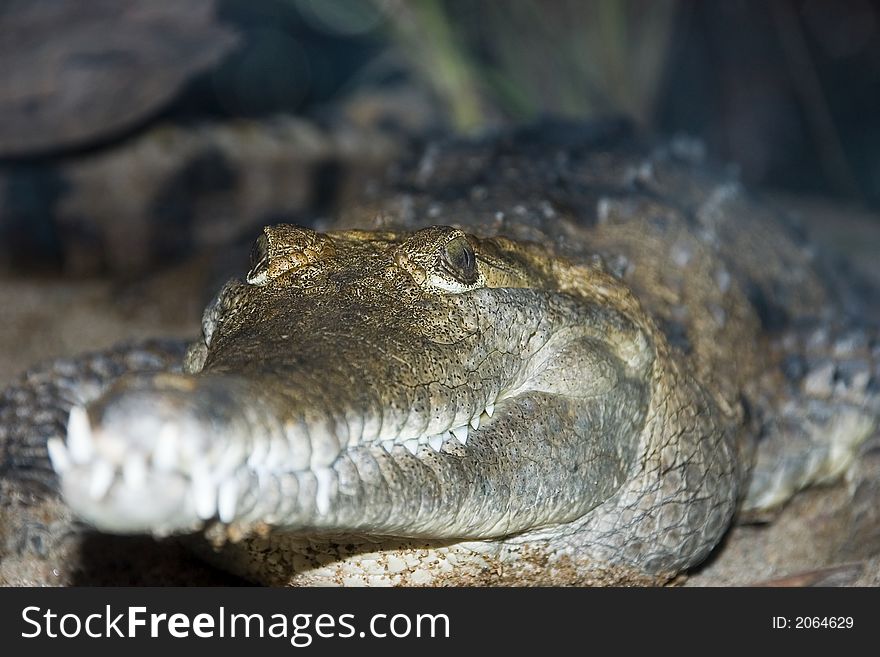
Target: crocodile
{"x":555,"y":355}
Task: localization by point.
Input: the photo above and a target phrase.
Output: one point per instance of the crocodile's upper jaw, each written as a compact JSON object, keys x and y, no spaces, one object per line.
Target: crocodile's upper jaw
{"x":429,"y":385}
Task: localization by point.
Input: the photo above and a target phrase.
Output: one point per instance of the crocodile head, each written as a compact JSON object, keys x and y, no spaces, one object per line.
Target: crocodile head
{"x":429,"y":385}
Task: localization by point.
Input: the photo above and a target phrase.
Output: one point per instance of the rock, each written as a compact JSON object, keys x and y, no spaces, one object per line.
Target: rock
{"x":79,"y":72}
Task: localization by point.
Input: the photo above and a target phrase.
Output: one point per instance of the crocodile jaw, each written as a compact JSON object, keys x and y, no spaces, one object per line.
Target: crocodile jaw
{"x":154,"y":457}
{"x":159,"y":468}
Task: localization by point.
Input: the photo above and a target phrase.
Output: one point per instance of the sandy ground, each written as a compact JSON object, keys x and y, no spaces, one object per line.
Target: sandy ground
{"x":45,"y":318}
{"x":823,"y":537}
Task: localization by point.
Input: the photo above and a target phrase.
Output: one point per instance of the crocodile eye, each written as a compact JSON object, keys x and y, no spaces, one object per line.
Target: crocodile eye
{"x":259,"y":260}
{"x":259,"y":251}
{"x":459,"y":259}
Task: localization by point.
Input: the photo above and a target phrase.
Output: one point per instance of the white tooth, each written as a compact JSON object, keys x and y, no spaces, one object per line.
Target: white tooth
{"x":134,"y":470}
{"x":204,"y":493}
{"x":258,"y":454}
{"x":388,"y":445}
{"x":58,"y":455}
{"x":101,"y":479}
{"x":324,"y":443}
{"x":299,"y":450}
{"x":232,"y":457}
{"x":412,"y":445}
{"x":277,"y":456}
{"x":436,"y":442}
{"x":461,"y":433}
{"x":165,"y":452}
{"x":475,"y":422}
{"x":324,"y":477}
{"x":490,"y":408}
{"x":79,"y":435}
{"x":227,"y":499}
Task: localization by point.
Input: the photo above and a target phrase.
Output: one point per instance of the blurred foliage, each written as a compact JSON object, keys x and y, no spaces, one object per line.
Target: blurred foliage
{"x":789,"y":89}
{"x":496,"y":60}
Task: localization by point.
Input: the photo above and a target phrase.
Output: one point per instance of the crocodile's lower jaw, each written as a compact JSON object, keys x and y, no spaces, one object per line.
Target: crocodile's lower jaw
{"x":122,"y":487}
{"x":157,"y":465}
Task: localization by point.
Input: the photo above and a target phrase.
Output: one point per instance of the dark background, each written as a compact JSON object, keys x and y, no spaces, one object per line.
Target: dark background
{"x":787,"y":91}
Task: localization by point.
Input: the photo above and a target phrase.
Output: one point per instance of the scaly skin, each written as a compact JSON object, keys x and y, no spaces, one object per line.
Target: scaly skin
{"x":442,"y":404}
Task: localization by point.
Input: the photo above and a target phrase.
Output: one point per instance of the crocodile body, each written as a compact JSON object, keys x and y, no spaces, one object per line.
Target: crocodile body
{"x":543,"y":357}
